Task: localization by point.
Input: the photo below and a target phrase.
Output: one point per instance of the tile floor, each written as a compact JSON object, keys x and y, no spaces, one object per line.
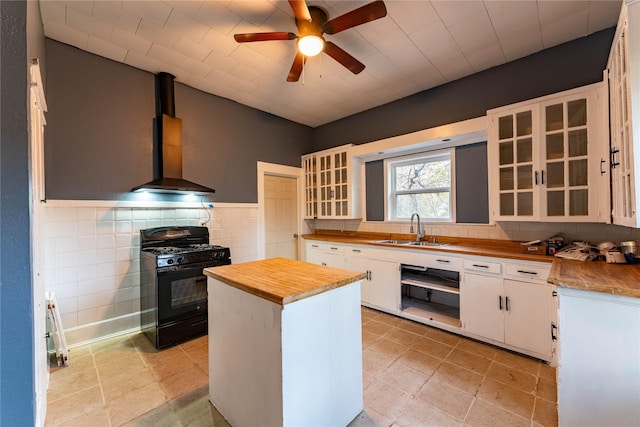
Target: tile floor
{"x":414,"y":375}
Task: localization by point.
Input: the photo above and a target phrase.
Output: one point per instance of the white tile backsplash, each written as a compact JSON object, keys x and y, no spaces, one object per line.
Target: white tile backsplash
{"x":86,"y":228}
{"x":86,"y":214}
{"x":123,"y":227}
{"x":122,"y":214}
{"x":92,"y":256}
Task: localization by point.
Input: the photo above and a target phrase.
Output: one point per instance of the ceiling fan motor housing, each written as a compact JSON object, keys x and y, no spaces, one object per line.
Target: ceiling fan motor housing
{"x":314,"y":27}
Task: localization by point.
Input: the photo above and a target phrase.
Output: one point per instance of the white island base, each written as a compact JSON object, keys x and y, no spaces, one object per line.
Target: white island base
{"x":297,"y":364}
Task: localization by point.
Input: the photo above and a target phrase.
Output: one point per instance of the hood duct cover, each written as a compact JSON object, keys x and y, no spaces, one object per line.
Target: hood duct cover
{"x":169,"y":145}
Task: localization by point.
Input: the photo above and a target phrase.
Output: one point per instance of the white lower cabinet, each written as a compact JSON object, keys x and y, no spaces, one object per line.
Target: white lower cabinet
{"x":599,"y":360}
{"x":380,"y":289}
{"x":325,"y":254}
{"x":527,"y":317}
{"x":481,"y":306}
{"x":518,"y":314}
{"x":496,"y":300}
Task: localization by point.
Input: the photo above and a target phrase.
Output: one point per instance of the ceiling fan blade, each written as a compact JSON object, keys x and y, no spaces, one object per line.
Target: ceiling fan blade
{"x":296,"y":67}
{"x":300,"y":10}
{"x":361,"y":15}
{"x":343,"y":57}
{"x":262,"y":37}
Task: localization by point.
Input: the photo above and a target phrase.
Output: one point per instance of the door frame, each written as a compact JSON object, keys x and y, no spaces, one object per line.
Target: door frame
{"x":283,"y":171}
{"x":37,"y":122}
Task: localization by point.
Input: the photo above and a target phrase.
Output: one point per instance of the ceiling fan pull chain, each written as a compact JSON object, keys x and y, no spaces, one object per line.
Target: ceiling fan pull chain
{"x":303,"y":64}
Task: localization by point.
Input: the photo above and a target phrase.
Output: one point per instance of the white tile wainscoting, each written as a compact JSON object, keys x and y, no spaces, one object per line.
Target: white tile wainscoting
{"x":92,"y":252}
{"x":520,"y":231}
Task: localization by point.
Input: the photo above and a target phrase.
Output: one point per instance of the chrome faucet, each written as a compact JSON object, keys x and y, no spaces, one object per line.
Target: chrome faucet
{"x":420,"y":231}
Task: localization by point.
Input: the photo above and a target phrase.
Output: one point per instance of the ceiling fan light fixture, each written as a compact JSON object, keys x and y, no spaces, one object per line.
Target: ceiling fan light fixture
{"x":310,"y":45}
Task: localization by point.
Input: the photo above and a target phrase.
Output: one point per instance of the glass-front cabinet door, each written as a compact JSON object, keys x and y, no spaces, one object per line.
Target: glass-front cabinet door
{"x":331,"y":186}
{"x":325,"y":185}
{"x":565,"y":172}
{"x":574,"y":172}
{"x":309,"y":169}
{"x":341,"y":184}
{"x":516,"y":157}
{"x":624,"y":97}
{"x":548,"y":158}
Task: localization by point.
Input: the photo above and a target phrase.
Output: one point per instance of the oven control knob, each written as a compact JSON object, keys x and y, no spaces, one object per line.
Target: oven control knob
{"x":169,"y":261}
{"x":180,"y":260}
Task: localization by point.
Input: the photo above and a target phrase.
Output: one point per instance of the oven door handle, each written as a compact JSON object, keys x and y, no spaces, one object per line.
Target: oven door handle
{"x":186,"y":267}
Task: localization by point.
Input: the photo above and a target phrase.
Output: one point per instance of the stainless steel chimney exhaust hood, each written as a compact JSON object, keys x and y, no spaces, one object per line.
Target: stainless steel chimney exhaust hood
{"x":169,"y":150}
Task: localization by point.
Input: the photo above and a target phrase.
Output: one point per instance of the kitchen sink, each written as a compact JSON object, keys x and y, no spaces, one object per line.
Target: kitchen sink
{"x":395,"y":242}
{"x":411,"y":243}
{"x":431,"y":244}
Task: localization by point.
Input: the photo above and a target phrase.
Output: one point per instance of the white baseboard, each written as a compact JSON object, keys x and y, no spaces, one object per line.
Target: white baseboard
{"x":97,"y":331}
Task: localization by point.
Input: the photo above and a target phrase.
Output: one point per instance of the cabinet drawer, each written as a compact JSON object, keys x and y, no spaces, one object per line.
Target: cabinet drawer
{"x":445,"y":262}
{"x":483,"y":266}
{"x":525,"y":271}
{"x":326,"y":247}
{"x":357,"y":251}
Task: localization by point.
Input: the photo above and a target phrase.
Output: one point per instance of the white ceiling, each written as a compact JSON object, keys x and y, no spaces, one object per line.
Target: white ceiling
{"x":417,"y":46}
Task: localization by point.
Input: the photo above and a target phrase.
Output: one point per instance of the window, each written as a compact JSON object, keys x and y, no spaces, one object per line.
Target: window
{"x":422,"y":184}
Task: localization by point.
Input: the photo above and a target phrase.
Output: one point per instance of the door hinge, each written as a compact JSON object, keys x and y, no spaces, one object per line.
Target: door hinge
{"x":554,"y":293}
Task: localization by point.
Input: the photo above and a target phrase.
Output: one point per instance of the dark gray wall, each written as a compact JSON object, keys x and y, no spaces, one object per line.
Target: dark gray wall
{"x":17,"y":404}
{"x":374,"y":187}
{"x":472,"y":184}
{"x":573,"y":64}
{"x":99,"y":137}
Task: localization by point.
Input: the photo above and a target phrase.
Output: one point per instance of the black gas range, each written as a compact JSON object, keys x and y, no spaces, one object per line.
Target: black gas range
{"x":173,"y":288}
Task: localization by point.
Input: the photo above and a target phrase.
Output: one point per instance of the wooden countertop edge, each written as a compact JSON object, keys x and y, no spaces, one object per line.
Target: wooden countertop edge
{"x":565,"y":273}
{"x":466,"y":247}
{"x":284,"y":299}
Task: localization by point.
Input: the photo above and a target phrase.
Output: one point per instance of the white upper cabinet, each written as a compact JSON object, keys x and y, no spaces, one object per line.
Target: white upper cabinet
{"x":548,"y":158}
{"x":332,"y":184}
{"x":624,"y":103}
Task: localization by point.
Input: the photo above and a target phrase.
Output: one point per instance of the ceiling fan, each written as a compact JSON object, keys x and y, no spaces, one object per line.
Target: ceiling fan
{"x":312,"y":23}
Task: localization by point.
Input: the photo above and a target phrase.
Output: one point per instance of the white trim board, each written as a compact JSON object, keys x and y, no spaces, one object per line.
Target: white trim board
{"x":460,"y":133}
{"x":59,"y":203}
{"x":97,"y":331}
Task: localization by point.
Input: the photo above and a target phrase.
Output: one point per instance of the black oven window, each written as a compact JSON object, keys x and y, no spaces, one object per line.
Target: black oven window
{"x":187,"y":291}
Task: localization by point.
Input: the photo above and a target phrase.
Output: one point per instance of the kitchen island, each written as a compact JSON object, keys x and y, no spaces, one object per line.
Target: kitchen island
{"x":285,"y":344}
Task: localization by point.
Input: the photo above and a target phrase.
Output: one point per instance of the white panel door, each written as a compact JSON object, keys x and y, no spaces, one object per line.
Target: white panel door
{"x":528,"y":316}
{"x":384,"y":284}
{"x":482,"y":305}
{"x":281,"y":213}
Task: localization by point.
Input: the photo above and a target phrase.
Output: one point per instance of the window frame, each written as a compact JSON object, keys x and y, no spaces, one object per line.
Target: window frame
{"x":390,"y":165}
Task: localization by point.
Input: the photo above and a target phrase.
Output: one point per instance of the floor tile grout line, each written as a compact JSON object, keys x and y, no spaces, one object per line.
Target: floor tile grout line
{"x":394,"y":358}
{"x":104,"y":399}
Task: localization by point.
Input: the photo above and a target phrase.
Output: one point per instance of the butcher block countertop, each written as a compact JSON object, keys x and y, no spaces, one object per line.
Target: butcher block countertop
{"x":460,"y":245}
{"x":283,"y":280}
{"x":597,"y":276}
